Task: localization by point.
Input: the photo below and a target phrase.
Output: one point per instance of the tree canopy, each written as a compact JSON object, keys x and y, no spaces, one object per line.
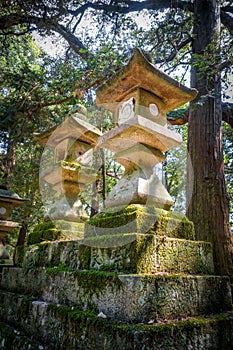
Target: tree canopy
{"x":97,"y":31}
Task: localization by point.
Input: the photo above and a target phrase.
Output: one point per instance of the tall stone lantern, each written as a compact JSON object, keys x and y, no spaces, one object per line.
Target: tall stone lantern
{"x":8,"y":200}
{"x":140,"y":95}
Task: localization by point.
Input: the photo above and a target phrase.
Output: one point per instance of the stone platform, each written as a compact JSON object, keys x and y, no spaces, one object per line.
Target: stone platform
{"x":118,"y":290}
{"x":124,"y":298}
{"x":33,"y":324}
{"x":129,"y":253}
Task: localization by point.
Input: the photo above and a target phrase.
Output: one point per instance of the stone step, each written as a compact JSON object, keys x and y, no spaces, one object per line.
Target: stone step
{"x":12,"y":338}
{"x":127,"y":298}
{"x":128,"y":253}
{"x":62,"y":327}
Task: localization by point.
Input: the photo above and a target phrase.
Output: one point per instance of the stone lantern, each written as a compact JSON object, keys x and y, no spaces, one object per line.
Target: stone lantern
{"x":8,"y":200}
{"x":140,"y":95}
{"x":71,"y":169}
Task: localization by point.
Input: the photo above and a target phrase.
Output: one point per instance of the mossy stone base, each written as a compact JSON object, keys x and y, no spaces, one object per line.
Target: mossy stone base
{"x":71,"y":230}
{"x":131,"y":253}
{"x":125,"y":298}
{"x":140,"y":219}
{"x":56,"y":230}
{"x":48,"y":254}
{"x":65,"y":327}
{"x":138,"y":253}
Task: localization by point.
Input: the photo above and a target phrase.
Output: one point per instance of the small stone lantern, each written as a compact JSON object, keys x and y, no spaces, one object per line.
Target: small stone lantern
{"x":71,"y":169}
{"x":8,"y":200}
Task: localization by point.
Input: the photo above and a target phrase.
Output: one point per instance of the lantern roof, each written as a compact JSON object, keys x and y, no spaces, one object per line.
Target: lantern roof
{"x":140,"y":73}
{"x":10,"y":196}
{"x":73,"y":128}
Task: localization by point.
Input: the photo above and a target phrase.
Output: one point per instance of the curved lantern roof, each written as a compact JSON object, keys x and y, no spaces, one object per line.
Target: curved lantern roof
{"x":10,"y":196}
{"x":140,"y":73}
{"x":72,"y":127}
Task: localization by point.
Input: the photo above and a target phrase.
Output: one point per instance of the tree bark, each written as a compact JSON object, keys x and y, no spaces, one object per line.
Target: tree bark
{"x":22,"y":235}
{"x":207,"y":199}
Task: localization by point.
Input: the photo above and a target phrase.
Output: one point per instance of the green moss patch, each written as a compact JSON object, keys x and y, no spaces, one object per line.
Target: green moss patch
{"x":140,"y":219}
{"x":46,"y":231}
{"x":139,"y":253}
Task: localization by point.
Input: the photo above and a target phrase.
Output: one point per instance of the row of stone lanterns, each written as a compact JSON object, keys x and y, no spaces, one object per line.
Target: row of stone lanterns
{"x":139,"y":95}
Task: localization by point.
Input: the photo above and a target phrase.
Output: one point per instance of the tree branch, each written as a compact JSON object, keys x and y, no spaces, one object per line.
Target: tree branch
{"x":126,"y":7}
{"x":227,"y":9}
{"x":174,"y":53}
{"x":227,"y":115}
{"x":8,"y":21}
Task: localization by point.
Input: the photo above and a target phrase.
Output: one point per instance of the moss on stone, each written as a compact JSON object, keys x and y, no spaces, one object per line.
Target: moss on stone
{"x":139,"y":253}
{"x":140,"y":219}
{"x":38,"y":258}
{"x":189,"y":324}
{"x":71,"y":313}
{"x":56,"y":269}
{"x":46,"y":231}
{"x":93,"y":282}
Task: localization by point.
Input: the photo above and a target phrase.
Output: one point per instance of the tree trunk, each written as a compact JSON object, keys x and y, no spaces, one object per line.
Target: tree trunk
{"x":103,"y":175}
{"x":207,"y":199}
{"x":22,"y":235}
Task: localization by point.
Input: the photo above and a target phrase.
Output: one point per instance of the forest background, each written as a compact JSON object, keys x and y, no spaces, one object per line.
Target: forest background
{"x":40,"y":86}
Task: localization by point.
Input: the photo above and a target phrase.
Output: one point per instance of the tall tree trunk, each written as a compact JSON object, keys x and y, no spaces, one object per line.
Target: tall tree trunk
{"x":206,"y":191}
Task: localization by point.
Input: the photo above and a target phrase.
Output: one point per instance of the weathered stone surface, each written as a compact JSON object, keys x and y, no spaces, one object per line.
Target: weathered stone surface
{"x":133,"y":253}
{"x":146,"y":157}
{"x":75,"y":330}
{"x":48,"y":254}
{"x":139,"y":130}
{"x":12,"y":338}
{"x":63,"y":210}
{"x":140,"y":219}
{"x":73,"y":172}
{"x":136,"y":187}
{"x":136,"y":253}
{"x":57,"y":230}
{"x":73,"y":127}
{"x":126,"y":298}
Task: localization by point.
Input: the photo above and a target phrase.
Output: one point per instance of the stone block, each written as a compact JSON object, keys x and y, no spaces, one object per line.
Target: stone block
{"x":48,"y":254}
{"x":140,"y":219}
{"x":133,"y":253}
{"x":135,"y":187}
{"x":139,"y":130}
{"x":121,"y":298}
